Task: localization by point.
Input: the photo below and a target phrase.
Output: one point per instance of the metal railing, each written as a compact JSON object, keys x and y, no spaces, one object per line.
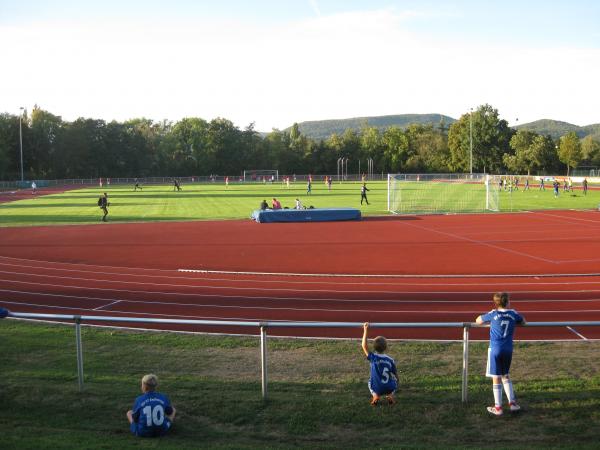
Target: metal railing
{"x":263,"y":325}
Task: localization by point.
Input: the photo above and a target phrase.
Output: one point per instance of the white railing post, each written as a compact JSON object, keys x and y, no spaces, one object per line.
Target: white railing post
{"x":79,"y":352}
{"x":465,"y":369}
{"x":263,"y":360}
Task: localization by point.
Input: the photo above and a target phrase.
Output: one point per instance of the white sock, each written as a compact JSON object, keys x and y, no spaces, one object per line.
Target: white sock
{"x":497,"y":388}
{"x":508,"y":388}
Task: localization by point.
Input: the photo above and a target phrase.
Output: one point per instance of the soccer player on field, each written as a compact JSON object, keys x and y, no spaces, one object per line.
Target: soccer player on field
{"x":152,"y":414}
{"x":383,"y":380}
{"x":502,"y":327}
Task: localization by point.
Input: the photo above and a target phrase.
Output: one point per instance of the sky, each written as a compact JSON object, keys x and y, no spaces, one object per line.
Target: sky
{"x":273,"y":63}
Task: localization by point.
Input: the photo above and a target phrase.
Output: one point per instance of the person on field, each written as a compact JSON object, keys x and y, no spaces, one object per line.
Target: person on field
{"x":309,"y":186}
{"x":33,"y":187}
{"x":152,"y":414}
{"x":276,"y":203}
{"x":136,"y":186}
{"x":176,"y":185}
{"x":502,"y":322}
{"x":556,"y":185}
{"x":264,"y":205}
{"x":329,"y":181}
{"x":298,"y":204}
{"x":383,"y":380}
{"x":585,"y":186}
{"x":104,"y":204}
{"x":363,"y":193}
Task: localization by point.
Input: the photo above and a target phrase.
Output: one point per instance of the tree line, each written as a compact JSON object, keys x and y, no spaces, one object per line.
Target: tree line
{"x":89,"y":148}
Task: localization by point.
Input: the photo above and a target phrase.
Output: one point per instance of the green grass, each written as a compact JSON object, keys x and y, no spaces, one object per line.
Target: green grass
{"x":317,"y":393}
{"x":194,"y":202}
{"x":215,"y":201}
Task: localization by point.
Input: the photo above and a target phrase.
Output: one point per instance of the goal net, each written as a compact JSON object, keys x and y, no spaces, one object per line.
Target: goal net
{"x":261,"y":175}
{"x":442,"y":193}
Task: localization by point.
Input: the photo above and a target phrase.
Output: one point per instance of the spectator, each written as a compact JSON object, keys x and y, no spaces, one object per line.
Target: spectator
{"x":276,"y":204}
{"x":384,"y":376}
{"x":264,"y":205}
{"x":152,"y":414}
{"x":502,"y":327}
{"x":298,"y":204}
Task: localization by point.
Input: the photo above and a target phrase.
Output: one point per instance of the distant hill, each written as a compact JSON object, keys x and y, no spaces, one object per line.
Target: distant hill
{"x":322,"y":129}
{"x":556,"y":128}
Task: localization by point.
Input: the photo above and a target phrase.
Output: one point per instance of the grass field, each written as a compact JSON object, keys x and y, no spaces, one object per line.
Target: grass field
{"x":194,"y":202}
{"x":318,"y":396}
{"x":215,"y":201}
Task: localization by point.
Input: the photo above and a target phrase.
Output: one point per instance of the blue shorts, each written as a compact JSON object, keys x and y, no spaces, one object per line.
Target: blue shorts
{"x":391,"y":390}
{"x":498,"y":362}
{"x":150,"y":432}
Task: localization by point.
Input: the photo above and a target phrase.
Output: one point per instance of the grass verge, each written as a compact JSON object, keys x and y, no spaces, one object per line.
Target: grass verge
{"x":317,"y":393}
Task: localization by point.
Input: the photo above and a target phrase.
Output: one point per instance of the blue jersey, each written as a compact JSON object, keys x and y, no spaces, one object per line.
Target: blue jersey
{"x":502,"y":327}
{"x":382,"y":367}
{"x":149,"y":415}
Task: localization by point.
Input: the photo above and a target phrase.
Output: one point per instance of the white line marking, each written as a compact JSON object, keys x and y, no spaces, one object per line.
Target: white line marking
{"x":316,"y":275}
{"x":578,"y":334}
{"x":99,"y":308}
{"x":478,"y":242}
{"x":261,"y":297}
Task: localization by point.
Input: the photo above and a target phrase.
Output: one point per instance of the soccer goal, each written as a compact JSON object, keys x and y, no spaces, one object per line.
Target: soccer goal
{"x":261,"y":175}
{"x":442,"y":193}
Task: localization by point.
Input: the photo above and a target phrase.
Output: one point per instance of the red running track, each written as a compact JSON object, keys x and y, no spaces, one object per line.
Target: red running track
{"x":407,"y":269}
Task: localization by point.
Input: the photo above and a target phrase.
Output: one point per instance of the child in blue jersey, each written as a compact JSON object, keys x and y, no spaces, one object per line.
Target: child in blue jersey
{"x":152,"y":413}
{"x":383,"y":380}
{"x":502,"y":327}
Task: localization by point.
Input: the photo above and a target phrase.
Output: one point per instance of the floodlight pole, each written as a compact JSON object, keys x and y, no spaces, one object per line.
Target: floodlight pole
{"x":471,"y":139}
{"x":21,"y":139}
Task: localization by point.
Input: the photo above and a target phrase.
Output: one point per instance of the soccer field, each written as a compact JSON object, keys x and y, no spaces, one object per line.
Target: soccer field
{"x":193,"y":202}
{"x":237,"y":201}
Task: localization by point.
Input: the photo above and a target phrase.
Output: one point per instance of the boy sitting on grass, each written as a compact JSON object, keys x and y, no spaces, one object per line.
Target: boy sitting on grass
{"x":383,"y":380}
{"x":152,"y":413}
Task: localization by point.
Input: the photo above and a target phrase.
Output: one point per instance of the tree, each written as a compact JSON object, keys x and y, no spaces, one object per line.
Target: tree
{"x":590,"y":149}
{"x":395,"y":149}
{"x":523,"y":159}
{"x":569,"y":150}
{"x":491,"y":137}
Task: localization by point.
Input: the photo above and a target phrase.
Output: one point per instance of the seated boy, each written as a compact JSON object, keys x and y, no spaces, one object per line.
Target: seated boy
{"x":152,"y":413}
{"x":383,"y":380}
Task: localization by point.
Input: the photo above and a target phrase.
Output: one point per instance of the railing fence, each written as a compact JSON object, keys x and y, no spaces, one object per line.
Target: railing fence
{"x":262,"y":325}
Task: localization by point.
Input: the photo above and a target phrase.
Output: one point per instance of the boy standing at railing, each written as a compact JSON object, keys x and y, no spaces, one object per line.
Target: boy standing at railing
{"x":152,"y":413}
{"x":383,"y":379}
{"x":502,"y":327}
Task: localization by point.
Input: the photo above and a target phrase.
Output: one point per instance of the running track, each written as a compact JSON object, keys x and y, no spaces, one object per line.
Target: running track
{"x":407,"y":269}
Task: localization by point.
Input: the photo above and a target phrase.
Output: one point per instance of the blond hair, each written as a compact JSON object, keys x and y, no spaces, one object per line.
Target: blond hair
{"x":150,"y":381}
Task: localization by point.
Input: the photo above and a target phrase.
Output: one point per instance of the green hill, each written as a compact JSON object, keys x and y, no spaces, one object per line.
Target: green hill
{"x":322,"y":129}
{"x":556,"y":128}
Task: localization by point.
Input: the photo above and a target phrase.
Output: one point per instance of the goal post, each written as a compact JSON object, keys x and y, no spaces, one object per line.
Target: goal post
{"x":261,"y":175}
{"x":442,"y":193}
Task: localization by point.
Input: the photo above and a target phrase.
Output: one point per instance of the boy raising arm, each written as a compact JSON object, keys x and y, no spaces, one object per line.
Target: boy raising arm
{"x":384,"y":376}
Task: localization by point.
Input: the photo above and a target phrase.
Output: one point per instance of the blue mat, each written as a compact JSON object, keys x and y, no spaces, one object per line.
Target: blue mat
{"x":305,"y":215}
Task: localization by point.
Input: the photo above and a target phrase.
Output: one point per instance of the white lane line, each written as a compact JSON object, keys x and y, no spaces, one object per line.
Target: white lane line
{"x":538,"y":279}
{"x":578,"y":334}
{"x":282,"y":289}
{"x":284,"y":274}
{"x":323,"y":310}
{"x":478,"y":242}
{"x":305,"y":299}
{"x":569,"y":219}
{"x":99,"y":308}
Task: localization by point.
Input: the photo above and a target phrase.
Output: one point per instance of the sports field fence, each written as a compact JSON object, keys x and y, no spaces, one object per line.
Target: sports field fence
{"x":78,"y":320}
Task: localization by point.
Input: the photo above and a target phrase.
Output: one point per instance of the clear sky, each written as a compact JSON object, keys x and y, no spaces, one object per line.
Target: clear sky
{"x":279,"y":62}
